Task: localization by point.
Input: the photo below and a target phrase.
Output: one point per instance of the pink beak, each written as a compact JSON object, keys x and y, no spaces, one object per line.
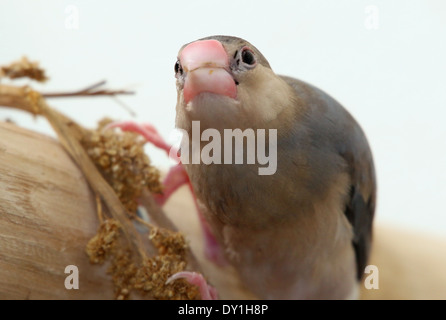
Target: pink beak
{"x":206,"y":63}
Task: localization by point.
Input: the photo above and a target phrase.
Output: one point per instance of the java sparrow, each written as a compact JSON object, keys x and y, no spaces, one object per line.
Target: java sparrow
{"x":303,"y":232}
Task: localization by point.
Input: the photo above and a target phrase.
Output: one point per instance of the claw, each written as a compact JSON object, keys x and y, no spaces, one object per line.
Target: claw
{"x":207,"y":292}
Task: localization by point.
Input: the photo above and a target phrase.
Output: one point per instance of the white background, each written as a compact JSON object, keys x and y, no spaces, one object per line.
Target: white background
{"x":392,"y":79}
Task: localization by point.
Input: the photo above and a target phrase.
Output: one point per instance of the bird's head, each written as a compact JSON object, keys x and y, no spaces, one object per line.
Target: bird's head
{"x":226,"y":82}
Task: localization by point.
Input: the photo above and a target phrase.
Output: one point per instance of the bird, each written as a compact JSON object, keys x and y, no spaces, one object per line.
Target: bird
{"x":303,"y":231}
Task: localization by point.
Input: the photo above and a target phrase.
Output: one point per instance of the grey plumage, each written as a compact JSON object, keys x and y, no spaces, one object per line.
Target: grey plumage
{"x":305,"y":231}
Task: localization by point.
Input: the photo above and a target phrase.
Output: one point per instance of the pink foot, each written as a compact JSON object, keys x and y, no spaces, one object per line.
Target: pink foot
{"x":176,"y":177}
{"x":207,"y":292}
{"x":147,"y":131}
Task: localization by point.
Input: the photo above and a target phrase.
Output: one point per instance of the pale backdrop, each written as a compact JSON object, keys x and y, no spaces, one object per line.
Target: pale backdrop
{"x":383,"y":60}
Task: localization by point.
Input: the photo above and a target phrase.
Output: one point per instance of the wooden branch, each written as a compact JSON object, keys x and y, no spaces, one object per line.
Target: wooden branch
{"x":68,"y":138}
{"x":47,"y":216}
{"x":70,"y":135}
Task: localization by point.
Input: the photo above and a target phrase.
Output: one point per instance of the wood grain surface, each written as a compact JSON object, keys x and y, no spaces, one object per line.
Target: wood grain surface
{"x":47,"y":216}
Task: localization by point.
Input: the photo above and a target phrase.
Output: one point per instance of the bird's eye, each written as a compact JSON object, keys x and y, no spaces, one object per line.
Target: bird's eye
{"x":178,"y":68}
{"x":248,"y":57}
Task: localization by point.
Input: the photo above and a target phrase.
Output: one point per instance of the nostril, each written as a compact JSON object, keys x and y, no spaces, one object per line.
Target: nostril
{"x":178,"y":68}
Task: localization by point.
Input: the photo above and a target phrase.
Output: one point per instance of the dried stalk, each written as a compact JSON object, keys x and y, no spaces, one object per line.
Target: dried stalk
{"x":88,"y":92}
{"x":147,"y":273}
{"x":69,"y":134}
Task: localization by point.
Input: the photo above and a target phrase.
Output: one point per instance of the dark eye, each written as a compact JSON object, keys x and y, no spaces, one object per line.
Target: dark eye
{"x":178,"y":68}
{"x":248,"y":57}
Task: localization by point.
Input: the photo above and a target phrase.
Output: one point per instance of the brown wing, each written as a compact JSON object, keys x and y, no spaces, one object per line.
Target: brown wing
{"x":337,"y":131}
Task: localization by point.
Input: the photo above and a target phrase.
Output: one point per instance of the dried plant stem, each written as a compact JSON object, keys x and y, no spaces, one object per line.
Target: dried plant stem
{"x":99,"y":208}
{"x":88,"y":91}
{"x":70,"y":133}
{"x":94,"y":178}
{"x":145,"y":223}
